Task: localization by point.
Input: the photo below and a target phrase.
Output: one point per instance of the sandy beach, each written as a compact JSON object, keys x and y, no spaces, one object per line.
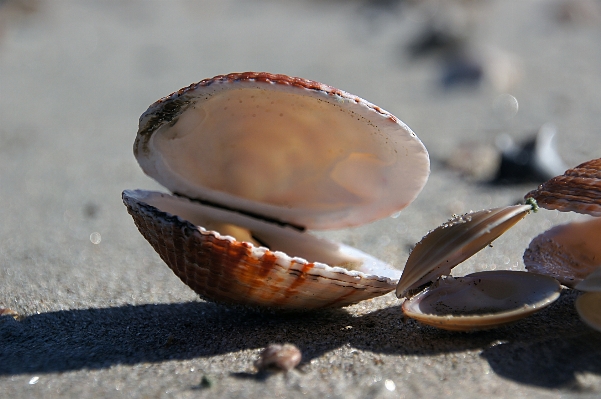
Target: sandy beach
{"x":101,"y":315}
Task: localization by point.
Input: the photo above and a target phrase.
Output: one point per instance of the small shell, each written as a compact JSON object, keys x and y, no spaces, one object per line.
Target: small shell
{"x":482,"y":300}
{"x":9,"y":312}
{"x":588,"y":306}
{"x":478,"y":301}
{"x":577,"y":190}
{"x":568,"y":252}
{"x":280,"y":357}
{"x":455,"y":241}
{"x":222,"y":269}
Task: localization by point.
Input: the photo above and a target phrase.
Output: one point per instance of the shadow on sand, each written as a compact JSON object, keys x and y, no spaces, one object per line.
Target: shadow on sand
{"x":545,"y":350}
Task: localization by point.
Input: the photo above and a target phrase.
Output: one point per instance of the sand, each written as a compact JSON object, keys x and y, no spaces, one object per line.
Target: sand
{"x":102,"y":316}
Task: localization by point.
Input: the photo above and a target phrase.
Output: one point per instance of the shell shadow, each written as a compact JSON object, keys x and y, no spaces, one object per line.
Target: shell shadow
{"x":547,"y":349}
{"x":549,"y":363}
{"x":100,"y":338}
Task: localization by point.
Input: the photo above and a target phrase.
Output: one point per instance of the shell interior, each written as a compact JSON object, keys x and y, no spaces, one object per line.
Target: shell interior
{"x":455,"y":241}
{"x":222,"y":268}
{"x":277,"y":238}
{"x":255,"y":159}
{"x":482,"y":300}
{"x":287,"y":149}
{"x":567,"y":252}
{"x":588,"y":306}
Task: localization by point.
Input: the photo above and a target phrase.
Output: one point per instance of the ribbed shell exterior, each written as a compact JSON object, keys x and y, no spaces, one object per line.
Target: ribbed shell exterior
{"x":224,"y":270}
{"x":568,"y":252}
{"x":577,"y":190}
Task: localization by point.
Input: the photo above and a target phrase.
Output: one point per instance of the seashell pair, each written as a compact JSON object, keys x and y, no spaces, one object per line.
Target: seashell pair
{"x":256,"y":159}
{"x":569,"y":254}
{"x":477,"y":301}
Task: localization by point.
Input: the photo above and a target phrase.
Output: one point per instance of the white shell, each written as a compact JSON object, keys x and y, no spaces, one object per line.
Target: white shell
{"x":289,"y":149}
{"x":482,"y":300}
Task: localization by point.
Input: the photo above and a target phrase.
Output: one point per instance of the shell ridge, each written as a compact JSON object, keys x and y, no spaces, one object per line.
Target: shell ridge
{"x":577,"y":190}
{"x":266,"y":78}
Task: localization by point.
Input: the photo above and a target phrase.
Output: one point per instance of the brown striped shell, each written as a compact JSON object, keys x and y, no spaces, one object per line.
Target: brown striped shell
{"x":571,"y":251}
{"x":254,"y":160}
{"x":577,"y":190}
{"x":221,"y":268}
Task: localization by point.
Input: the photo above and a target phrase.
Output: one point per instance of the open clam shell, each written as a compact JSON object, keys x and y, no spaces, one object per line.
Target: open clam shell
{"x":482,"y":300}
{"x":455,"y":241}
{"x":257,"y":158}
{"x":567,"y":252}
{"x":478,"y":301}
